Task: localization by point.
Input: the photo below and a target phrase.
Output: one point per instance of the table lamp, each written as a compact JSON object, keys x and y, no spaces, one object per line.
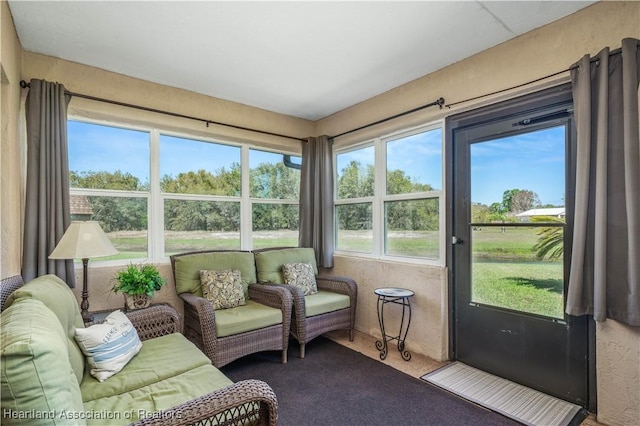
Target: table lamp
{"x":83,"y":240}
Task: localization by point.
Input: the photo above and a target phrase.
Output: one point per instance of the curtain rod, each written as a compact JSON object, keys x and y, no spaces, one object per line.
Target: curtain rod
{"x":439,"y":102}
{"x":24,"y":85}
{"x":573,"y":67}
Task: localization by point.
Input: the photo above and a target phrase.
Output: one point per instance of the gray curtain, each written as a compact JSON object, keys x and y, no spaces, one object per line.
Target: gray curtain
{"x":316,"y":199}
{"x":47,"y":213}
{"x":604,"y":278}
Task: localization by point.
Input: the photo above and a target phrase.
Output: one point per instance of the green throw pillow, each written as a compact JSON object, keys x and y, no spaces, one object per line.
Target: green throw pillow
{"x":300,"y":275}
{"x":222,"y":287}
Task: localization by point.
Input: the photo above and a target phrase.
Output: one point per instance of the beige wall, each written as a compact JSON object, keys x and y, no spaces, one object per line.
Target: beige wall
{"x":541,"y":52}
{"x":10,"y":149}
{"x":428,"y":333}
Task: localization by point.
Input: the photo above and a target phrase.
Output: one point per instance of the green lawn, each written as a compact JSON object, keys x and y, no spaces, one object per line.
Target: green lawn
{"x":506,"y":272}
{"x":534,"y":287}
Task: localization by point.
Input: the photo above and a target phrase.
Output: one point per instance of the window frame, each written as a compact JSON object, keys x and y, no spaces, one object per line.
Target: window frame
{"x":156,"y":197}
{"x":381,"y":197}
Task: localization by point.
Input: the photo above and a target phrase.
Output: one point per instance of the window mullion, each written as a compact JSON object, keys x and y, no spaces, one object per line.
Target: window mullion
{"x":380,"y":190}
{"x":155,"y":230}
{"x":246,"y":219}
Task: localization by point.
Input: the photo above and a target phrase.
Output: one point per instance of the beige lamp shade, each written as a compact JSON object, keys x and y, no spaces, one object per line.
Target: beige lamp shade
{"x":83,"y":240}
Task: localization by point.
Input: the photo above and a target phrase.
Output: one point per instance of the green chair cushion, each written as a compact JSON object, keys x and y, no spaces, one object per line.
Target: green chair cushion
{"x":325,"y":301}
{"x":159,"y":359}
{"x":187,"y":269}
{"x":56,"y":295}
{"x":269,"y":263}
{"x":251,"y":316}
{"x":36,"y":374}
{"x":130,"y":406}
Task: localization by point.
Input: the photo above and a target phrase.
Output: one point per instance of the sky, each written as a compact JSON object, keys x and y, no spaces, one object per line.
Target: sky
{"x":110,"y":148}
{"x":533,"y":161}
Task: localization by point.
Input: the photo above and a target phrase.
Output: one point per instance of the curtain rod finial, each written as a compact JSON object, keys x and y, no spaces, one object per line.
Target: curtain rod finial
{"x":24,"y":84}
{"x":440,"y":102}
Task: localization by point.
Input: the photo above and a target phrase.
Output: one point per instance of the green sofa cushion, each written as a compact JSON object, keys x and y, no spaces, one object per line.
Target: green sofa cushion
{"x":58,"y":297}
{"x":130,"y":406}
{"x":36,"y":375}
{"x":158,"y":360}
{"x":187,"y":269}
{"x":251,"y":316}
{"x":325,"y":301}
{"x":269,"y":263}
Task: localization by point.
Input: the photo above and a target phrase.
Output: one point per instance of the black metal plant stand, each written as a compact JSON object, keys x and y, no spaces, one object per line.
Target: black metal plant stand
{"x":398,"y":296}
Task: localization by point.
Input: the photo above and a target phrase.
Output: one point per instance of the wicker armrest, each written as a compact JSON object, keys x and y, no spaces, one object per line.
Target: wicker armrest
{"x":200,"y":323}
{"x":297,"y":298}
{"x":155,"y":321}
{"x":204,"y":309}
{"x":248,"y":402}
{"x":337,"y":284}
{"x":270,"y":295}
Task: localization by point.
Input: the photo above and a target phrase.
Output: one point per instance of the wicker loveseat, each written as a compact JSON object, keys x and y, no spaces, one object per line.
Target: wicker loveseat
{"x":170,"y":381}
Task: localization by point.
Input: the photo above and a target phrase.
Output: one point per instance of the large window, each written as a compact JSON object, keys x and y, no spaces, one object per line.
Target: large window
{"x":275,"y":190}
{"x":109,"y":180}
{"x":157,"y":194}
{"x":201,"y":183}
{"x":389,"y":196}
{"x":354,"y":199}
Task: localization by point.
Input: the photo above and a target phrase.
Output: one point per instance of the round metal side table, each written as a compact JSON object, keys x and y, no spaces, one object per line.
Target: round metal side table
{"x":398,"y":296}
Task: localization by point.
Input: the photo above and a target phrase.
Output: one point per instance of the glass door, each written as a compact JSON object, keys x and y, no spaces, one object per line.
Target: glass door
{"x":512,"y":186}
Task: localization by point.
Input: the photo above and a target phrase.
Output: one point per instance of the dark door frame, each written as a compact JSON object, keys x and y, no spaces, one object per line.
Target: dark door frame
{"x":525,"y":103}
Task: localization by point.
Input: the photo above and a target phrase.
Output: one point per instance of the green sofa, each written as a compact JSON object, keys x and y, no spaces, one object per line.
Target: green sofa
{"x":45,"y":379}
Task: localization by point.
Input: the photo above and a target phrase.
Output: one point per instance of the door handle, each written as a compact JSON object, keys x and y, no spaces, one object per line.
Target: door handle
{"x":455,"y":240}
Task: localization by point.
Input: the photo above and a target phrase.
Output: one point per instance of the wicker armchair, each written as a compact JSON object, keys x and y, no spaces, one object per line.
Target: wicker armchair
{"x":307,"y":324}
{"x":202,"y":323}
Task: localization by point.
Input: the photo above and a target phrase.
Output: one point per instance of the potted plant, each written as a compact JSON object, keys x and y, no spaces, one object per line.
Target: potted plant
{"x":138,"y":283}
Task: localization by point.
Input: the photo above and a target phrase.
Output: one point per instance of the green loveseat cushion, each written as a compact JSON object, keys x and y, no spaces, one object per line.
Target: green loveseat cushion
{"x":36,"y":376}
{"x":58,"y":297}
{"x":325,"y":301}
{"x":187,"y":269}
{"x":251,"y":316}
{"x":130,"y":406}
{"x":159,"y":359}
{"x":269,"y":263}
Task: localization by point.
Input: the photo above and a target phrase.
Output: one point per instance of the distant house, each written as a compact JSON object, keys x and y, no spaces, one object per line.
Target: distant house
{"x":526,"y":216}
{"x":80,"y":207}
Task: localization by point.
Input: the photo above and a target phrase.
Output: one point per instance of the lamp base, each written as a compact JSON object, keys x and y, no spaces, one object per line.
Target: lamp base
{"x":84,"y":305}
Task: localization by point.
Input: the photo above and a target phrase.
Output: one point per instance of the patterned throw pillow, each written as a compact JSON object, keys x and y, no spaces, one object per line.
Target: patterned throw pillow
{"x":300,"y":275}
{"x":222,"y":287}
{"x":109,"y":346}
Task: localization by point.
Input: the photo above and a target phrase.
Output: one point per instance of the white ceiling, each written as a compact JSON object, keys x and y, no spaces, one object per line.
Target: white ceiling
{"x":306,"y":59}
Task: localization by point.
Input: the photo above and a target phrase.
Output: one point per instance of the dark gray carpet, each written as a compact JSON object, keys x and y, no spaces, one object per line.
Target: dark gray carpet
{"x":334,"y":385}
